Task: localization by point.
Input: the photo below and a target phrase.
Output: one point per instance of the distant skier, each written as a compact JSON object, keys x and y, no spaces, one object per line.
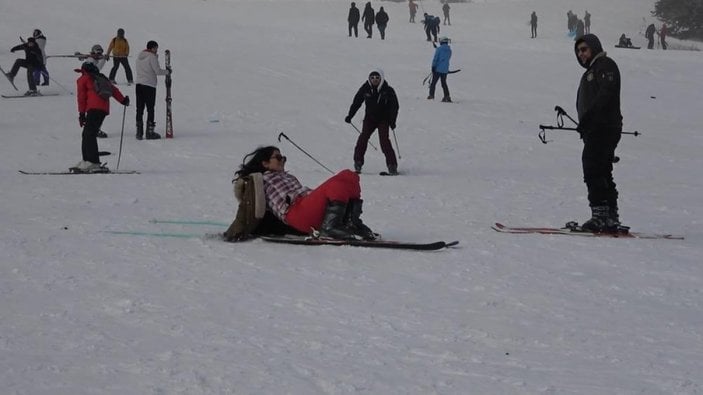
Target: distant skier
{"x":412,"y":7}
{"x":663,"y":31}
{"x":445,"y":10}
{"x":41,"y":72}
{"x":92,"y":110}
{"x":382,"y":22}
{"x":381,"y":113}
{"x":32,"y":61}
{"x":533,"y":24}
{"x":649,"y":34}
{"x":431,"y":26}
{"x":625,"y":41}
{"x":440,"y":69}
{"x":368,"y":19}
{"x":95,"y":57}
{"x":587,"y":23}
{"x":353,"y":20}
{"x":148,"y":70}
{"x":579,"y":29}
{"x":600,"y":127}
{"x":119,"y":48}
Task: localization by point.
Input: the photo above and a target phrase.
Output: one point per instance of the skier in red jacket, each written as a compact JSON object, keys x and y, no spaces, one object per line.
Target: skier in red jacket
{"x":92,"y":110}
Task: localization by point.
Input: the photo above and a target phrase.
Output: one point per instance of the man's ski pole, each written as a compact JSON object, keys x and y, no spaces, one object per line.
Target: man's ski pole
{"x":302,"y":150}
{"x":119,"y":154}
{"x":397,"y":147}
{"x":357,"y":129}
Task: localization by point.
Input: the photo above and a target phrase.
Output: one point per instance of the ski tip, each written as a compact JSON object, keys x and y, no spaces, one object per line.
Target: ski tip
{"x":451,"y":243}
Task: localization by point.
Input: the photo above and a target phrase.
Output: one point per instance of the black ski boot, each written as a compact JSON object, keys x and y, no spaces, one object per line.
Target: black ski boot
{"x":140,"y":131}
{"x":333,"y":222}
{"x":354,"y":223}
{"x":150,"y":134}
{"x":601,"y":220}
{"x":357,"y":167}
{"x":393,"y":170}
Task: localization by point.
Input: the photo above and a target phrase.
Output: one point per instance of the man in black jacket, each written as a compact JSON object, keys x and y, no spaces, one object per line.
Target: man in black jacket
{"x":33,"y":60}
{"x":382,"y":22}
{"x":600,"y":126}
{"x":353,"y":20}
{"x":381,"y":112}
{"x":368,"y":18}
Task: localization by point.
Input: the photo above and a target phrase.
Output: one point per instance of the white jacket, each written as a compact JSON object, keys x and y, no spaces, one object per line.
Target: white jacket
{"x":148,"y":68}
{"x":41,"y":43}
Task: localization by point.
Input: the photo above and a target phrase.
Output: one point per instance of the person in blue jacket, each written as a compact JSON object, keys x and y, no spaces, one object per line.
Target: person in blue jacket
{"x":440,"y":69}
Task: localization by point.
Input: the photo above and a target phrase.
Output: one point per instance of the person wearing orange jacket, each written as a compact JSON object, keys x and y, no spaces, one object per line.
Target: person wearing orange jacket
{"x":119,"y":47}
{"x":92,"y":110}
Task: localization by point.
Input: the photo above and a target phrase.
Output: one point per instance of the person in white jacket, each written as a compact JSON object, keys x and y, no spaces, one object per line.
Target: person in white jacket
{"x":147,"y":71}
{"x":41,"y":72}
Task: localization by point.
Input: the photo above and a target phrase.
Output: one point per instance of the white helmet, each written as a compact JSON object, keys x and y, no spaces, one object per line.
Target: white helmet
{"x":96,"y":49}
{"x":444,"y":39}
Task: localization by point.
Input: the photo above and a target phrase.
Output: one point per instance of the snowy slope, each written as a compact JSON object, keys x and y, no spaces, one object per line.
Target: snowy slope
{"x":84,"y":311}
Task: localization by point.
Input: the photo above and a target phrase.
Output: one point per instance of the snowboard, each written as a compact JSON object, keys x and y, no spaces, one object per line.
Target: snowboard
{"x":398,"y":245}
{"x":8,"y":78}
{"x":574,"y":230}
{"x":622,"y":46}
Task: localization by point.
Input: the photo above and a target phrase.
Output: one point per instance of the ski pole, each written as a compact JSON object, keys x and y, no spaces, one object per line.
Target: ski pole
{"x":60,"y":86}
{"x":357,"y":129}
{"x":119,"y":154}
{"x":396,"y":144}
{"x":302,"y":150}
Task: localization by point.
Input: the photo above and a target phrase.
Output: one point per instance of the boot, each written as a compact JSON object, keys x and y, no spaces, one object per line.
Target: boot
{"x":393,"y":170}
{"x":599,"y":219}
{"x":357,"y":167}
{"x":430,"y":97}
{"x":446,"y":99}
{"x":354,"y":222}
{"x":150,"y":134}
{"x":333,"y":222}
{"x":140,"y":131}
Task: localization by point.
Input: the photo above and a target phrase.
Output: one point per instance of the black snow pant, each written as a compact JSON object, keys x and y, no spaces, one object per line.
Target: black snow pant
{"x":369,"y":29}
{"x":146,"y":97}
{"x":650,"y":44}
{"x":597,"y":160}
{"x":382,"y":30}
{"x":439,"y":77}
{"x":116,"y":62}
{"x":534,"y":31}
{"x":367,"y":130}
{"x":89,"y":146}
{"x":30,"y":72}
{"x":355,"y":27}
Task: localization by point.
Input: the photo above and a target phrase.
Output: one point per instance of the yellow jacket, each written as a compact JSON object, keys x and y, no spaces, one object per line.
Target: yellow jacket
{"x":118,"y":47}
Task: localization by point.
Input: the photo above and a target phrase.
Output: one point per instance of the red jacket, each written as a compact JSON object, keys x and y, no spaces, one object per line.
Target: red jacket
{"x":88,"y":99}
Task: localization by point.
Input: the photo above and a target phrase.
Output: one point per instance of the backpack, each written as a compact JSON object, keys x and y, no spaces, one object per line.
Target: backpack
{"x":102,"y":85}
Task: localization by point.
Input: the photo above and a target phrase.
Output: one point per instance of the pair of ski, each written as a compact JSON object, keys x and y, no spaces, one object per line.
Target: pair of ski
{"x":39,"y":94}
{"x":292,"y":239}
{"x":572,"y":229}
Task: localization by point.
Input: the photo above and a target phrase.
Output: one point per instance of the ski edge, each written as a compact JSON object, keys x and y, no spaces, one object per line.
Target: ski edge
{"x":61,"y":173}
{"x":390,"y":244}
{"x":499,"y":227}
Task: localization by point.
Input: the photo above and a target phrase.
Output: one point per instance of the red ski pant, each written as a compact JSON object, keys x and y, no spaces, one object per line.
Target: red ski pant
{"x":307,"y":211}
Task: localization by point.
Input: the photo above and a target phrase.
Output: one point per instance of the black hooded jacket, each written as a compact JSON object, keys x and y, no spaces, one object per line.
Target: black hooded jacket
{"x":381,"y":103}
{"x":354,"y":16}
{"x":31,"y":53}
{"x":598,"y":97}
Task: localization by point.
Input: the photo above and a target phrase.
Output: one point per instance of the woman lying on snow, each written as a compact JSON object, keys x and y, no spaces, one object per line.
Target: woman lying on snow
{"x":273,"y":201}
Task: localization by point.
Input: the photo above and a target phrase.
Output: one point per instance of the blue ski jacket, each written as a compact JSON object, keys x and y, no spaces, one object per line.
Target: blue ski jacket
{"x":440,"y":62}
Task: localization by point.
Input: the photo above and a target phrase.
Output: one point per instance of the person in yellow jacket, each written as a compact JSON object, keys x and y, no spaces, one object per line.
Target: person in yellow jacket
{"x":119,"y":47}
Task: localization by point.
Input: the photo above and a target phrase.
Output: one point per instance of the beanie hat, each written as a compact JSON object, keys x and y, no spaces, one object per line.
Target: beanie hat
{"x":151,"y":44}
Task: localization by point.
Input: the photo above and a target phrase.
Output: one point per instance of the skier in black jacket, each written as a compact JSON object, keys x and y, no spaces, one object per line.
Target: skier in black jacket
{"x":600,"y":126}
{"x":382,"y":22}
{"x":33,"y":60}
{"x":381,"y":112}
{"x":368,"y":19}
{"x":353,"y":20}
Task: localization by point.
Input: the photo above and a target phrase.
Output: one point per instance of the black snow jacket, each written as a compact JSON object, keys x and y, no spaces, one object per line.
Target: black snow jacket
{"x":369,"y":14}
{"x":354,"y":16}
{"x":598,"y":96}
{"x":31,"y":54}
{"x":381,"y":104}
{"x":381,"y":17}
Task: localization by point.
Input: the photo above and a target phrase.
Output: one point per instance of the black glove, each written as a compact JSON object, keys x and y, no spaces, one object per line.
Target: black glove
{"x":125,"y":102}
{"x":81,"y":119}
{"x":169,"y":70}
{"x":347,"y":119}
{"x":433,"y":70}
{"x":392,"y":125}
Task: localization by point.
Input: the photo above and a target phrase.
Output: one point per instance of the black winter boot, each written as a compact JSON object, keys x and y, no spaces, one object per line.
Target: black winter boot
{"x":599,"y":219}
{"x":333,"y":222}
{"x":354,"y":223}
{"x":150,"y":134}
{"x":140,"y":131}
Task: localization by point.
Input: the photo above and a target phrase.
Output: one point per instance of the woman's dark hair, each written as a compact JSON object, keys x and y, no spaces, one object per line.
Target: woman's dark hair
{"x":252,"y":161}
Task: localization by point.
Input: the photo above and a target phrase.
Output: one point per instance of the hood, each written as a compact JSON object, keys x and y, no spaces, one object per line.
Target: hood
{"x":144,"y":54}
{"x":380,"y":72}
{"x":592,"y":41}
